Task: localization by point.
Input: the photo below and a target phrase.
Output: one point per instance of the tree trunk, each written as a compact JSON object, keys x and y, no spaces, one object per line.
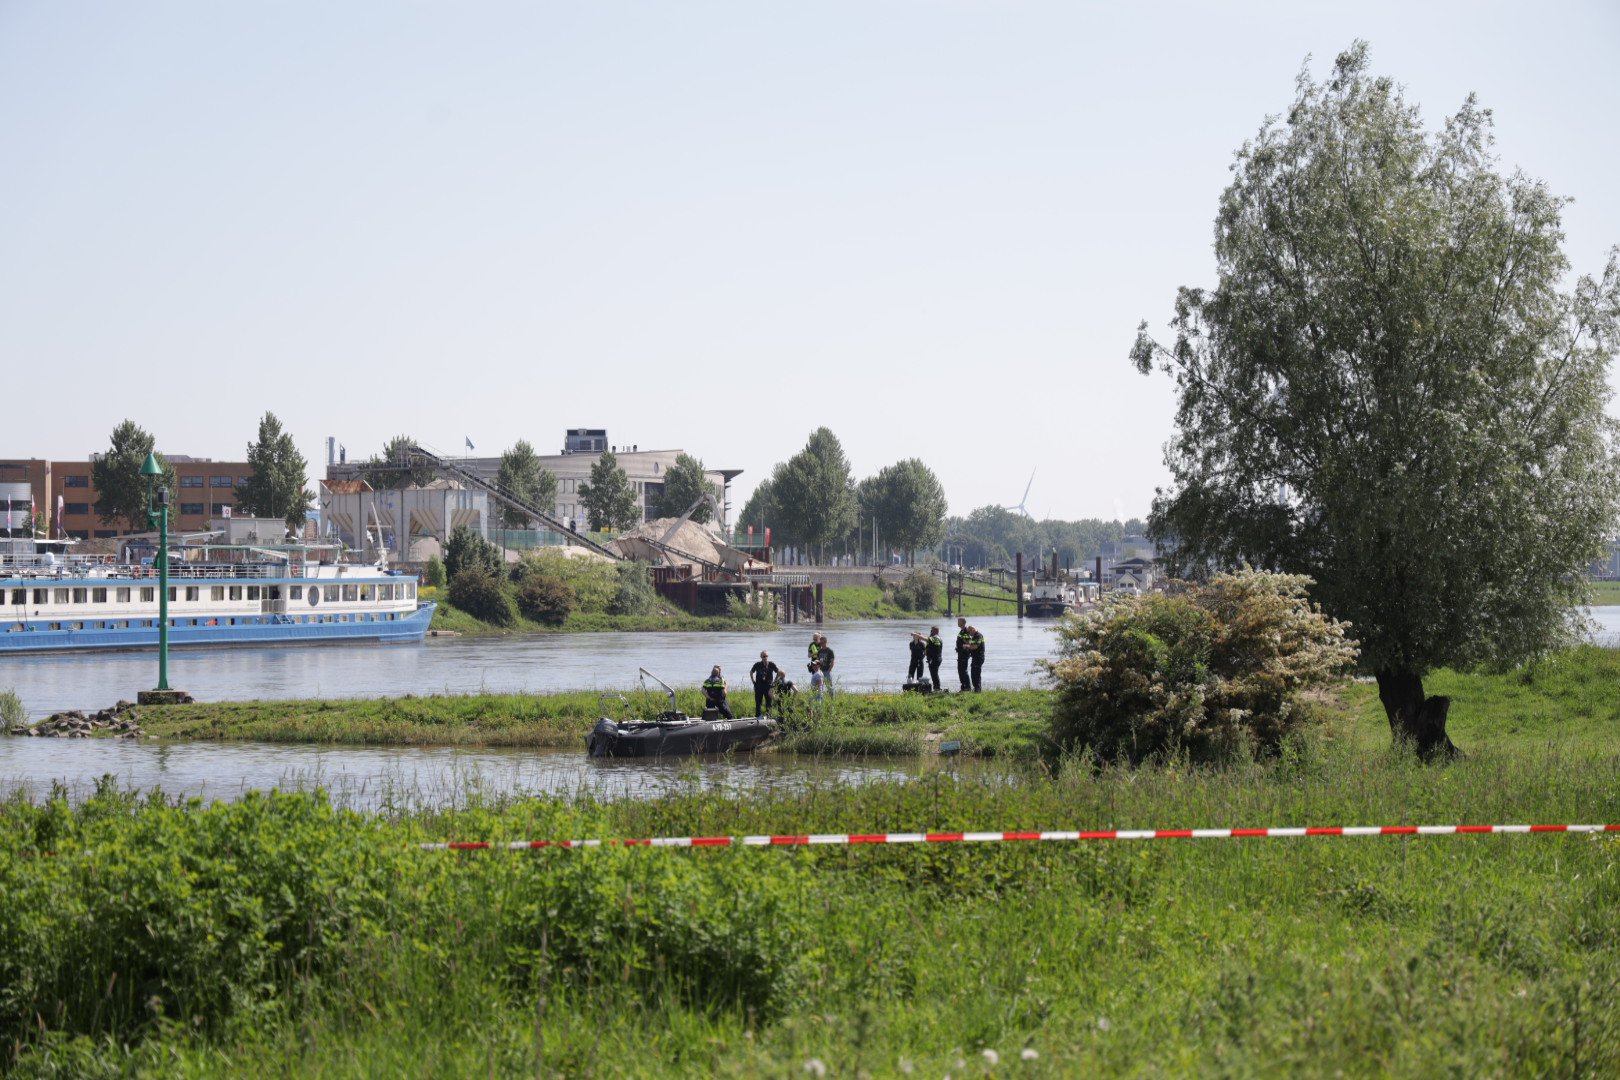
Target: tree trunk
{"x":1415,"y":718}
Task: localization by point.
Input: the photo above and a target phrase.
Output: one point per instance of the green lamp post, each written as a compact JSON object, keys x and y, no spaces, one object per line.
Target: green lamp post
{"x":157,"y":516}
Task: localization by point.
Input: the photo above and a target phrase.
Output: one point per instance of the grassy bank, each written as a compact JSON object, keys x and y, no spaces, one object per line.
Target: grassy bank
{"x":1006,"y":722}
{"x":869,"y":602}
{"x":447,"y":617}
{"x":279,"y":937}
{"x":1605,"y":593}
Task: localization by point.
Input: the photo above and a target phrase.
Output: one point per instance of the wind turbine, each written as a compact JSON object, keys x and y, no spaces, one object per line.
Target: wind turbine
{"x":1020,"y":506}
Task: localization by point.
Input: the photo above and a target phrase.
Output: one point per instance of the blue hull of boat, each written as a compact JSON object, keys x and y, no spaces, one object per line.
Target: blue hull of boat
{"x":260,"y":631}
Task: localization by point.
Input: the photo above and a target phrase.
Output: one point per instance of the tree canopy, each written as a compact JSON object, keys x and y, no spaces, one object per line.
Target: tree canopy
{"x":419,"y":475}
{"x":813,"y":492}
{"x":684,"y":484}
{"x":608,"y":498}
{"x":908,"y":502}
{"x":528,"y":481}
{"x":276,"y":486}
{"x":121,"y":490}
{"x":1388,"y":391}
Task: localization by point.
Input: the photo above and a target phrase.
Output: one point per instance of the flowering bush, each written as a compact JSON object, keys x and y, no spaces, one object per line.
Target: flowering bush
{"x":1204,"y":671}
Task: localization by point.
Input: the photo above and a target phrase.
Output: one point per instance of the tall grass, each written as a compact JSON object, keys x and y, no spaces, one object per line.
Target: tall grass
{"x":279,"y":936}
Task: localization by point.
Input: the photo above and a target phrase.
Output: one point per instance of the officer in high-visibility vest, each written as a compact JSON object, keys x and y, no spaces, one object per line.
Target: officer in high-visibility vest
{"x":714,"y":693}
{"x":976,"y":657}
{"x":964,"y":642}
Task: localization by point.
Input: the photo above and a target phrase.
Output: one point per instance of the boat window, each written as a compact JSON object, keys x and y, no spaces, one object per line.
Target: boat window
{"x":80,"y":596}
{"x":365,"y":592}
{"x":349,"y":592}
{"x":193,"y":592}
{"x":59,"y":596}
{"x":253,"y":592}
{"x":148,"y":594}
{"x":98,"y":596}
{"x":216,"y":592}
{"x":19,"y":596}
{"x":273,"y":592}
{"x":295,"y":592}
{"x":236,"y":592}
{"x":410,"y":591}
{"x":331,"y":593}
{"x":123,"y":595}
{"x":39,"y":595}
{"x":77,"y":626}
{"x":173,"y":592}
{"x":54,"y":626}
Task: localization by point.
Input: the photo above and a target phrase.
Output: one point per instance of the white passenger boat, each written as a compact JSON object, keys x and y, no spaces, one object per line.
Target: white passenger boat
{"x":52,"y":600}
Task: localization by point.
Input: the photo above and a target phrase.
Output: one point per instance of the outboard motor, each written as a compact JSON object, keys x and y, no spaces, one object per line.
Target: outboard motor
{"x":599,"y":743}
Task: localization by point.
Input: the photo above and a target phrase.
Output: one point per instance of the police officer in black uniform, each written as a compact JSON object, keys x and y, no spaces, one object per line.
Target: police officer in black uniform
{"x":919,"y":647}
{"x":963,"y":641}
{"x":765,"y":673}
{"x":714,"y":693}
{"x":936,"y":653}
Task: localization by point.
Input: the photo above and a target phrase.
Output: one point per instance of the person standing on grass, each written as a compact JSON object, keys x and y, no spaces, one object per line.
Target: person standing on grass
{"x":824,"y":657}
{"x":936,"y":653}
{"x":976,"y":650}
{"x":964,"y":641}
{"x":764,"y":674}
{"x":815,"y":679}
{"x":919,"y":648}
{"x":714,"y":693}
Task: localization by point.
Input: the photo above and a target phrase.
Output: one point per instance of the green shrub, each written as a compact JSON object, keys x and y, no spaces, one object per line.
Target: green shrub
{"x":11,"y":710}
{"x":468,"y":549}
{"x":545,"y":600}
{"x":595,"y":581}
{"x":483,"y":596}
{"x":433,"y":575}
{"x":1206,"y":672}
{"x":636,"y":595}
{"x":917,"y":591}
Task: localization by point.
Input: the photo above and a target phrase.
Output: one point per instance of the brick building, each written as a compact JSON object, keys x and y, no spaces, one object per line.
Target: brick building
{"x":207,"y":487}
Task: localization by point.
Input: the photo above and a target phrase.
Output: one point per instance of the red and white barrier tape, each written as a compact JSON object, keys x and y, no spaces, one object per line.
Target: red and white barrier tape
{"x":789,"y":840}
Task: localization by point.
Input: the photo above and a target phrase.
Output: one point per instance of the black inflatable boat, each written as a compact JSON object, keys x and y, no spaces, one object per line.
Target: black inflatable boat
{"x":675,"y":734}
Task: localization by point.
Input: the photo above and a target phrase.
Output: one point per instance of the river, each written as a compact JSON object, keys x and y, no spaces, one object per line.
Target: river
{"x":870,"y":655}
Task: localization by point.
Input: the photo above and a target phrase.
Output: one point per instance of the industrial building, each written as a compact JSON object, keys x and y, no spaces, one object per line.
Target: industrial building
{"x":63,"y":491}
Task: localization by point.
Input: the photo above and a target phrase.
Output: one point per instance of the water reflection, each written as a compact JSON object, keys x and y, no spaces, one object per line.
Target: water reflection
{"x":408,"y":777}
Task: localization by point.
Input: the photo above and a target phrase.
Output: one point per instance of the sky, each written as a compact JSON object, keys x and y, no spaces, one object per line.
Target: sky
{"x":930,"y":226}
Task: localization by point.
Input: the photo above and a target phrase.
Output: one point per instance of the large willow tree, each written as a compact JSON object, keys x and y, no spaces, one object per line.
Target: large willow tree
{"x":1388,"y":389}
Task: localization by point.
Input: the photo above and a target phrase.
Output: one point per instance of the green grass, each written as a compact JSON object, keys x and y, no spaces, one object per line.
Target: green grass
{"x":1605,"y":593}
{"x":278,"y":937}
{"x":447,"y":617}
{"x":1007,"y":722}
{"x":869,"y":602}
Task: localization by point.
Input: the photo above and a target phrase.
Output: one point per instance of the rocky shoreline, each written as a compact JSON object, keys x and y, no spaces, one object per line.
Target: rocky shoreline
{"x":120,"y":722}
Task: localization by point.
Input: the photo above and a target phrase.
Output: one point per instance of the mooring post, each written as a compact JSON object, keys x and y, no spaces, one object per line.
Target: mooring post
{"x":820,"y":603}
{"x":1018,"y":561}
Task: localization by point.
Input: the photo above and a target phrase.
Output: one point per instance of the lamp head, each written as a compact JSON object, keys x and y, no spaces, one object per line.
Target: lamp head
{"x":151,"y":468}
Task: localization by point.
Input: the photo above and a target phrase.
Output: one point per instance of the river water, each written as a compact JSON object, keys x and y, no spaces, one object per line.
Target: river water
{"x":870,"y":655}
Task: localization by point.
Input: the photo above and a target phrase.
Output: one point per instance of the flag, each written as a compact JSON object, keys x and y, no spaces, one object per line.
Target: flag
{"x":30,"y":513}
{"x":8,"y":515}
{"x":226,"y":510}
{"x":767,"y":536}
{"x":343,"y":454}
{"x":469,"y":443}
{"x":60,"y":534}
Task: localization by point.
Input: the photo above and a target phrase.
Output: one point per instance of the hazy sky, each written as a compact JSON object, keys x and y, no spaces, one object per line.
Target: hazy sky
{"x":931,"y":226}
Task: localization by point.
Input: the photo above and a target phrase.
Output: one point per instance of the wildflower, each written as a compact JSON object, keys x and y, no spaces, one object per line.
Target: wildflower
{"x":816,"y":1067}
{"x":906,"y":1066}
{"x":1029,"y":1054}
{"x":991,"y":1058}
{"x":1103,"y":1023}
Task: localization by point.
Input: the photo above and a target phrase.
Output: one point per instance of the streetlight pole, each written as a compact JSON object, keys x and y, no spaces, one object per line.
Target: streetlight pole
{"x":158,"y":515}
